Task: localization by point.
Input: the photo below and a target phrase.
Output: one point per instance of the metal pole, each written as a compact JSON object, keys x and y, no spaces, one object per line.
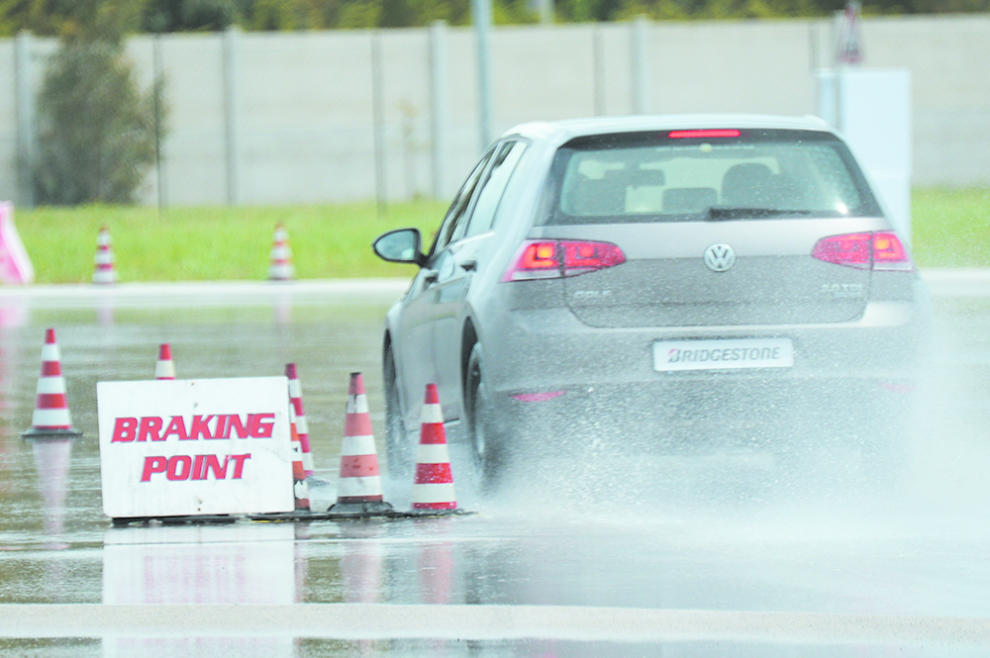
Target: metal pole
{"x":482,"y":12}
{"x":156,"y":53}
{"x":640,"y":85}
{"x":378,"y":118}
{"x":438,"y":107}
{"x":230,"y":112}
{"x":26,"y":138}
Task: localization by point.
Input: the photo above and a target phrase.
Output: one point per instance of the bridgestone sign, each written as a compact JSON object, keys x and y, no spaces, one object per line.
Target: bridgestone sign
{"x":192,"y":447}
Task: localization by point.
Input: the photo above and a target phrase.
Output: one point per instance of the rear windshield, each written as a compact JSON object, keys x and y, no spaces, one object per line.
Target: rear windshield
{"x":710,"y":175}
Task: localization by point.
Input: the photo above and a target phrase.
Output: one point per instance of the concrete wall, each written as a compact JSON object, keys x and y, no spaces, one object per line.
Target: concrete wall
{"x":290,"y":117}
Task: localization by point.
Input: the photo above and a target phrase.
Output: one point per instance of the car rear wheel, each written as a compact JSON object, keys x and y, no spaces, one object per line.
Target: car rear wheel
{"x":486,"y":443}
{"x":397,"y":448}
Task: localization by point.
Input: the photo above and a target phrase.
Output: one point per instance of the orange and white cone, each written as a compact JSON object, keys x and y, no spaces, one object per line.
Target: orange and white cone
{"x":51,"y":419}
{"x":281,"y":268}
{"x":359,"y":487}
{"x":295,"y":399}
{"x":164,"y":367}
{"x":433,"y":489}
{"x":103,"y":271}
{"x":300,"y":490}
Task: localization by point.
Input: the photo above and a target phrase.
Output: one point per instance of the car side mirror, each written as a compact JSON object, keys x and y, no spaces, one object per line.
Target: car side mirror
{"x":400,"y":246}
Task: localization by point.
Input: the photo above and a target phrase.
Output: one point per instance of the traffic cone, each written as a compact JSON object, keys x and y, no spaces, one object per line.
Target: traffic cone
{"x":359,"y":487}
{"x":281,"y":256}
{"x":103,"y":271}
{"x":300,"y":490}
{"x":295,"y":399}
{"x":434,"y":486}
{"x":51,"y":418}
{"x":164,"y":367}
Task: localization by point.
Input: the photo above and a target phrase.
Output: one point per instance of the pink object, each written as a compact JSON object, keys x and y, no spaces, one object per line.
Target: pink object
{"x":281,"y":268}
{"x":360,"y":479}
{"x":51,"y":410}
{"x":433,"y":488}
{"x":164,"y":367}
{"x":15,"y":266}
{"x":103,"y":271}
{"x":295,"y":399}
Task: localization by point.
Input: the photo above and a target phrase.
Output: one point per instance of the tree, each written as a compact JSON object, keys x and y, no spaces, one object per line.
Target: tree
{"x":188,"y":15}
{"x":96,"y":134}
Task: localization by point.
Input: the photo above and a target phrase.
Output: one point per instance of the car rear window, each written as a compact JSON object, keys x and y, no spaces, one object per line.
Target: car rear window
{"x":705,"y":175}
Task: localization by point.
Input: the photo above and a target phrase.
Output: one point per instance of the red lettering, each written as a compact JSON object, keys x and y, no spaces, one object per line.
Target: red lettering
{"x":179,"y":467}
{"x":124,"y":430}
{"x":259,"y":429}
{"x":213,"y":464}
{"x":200,"y":427}
{"x":153,"y":465}
{"x":177,"y":427}
{"x":151,"y":426}
{"x":235,"y":425}
{"x":238,"y":464}
{"x":222,"y":431}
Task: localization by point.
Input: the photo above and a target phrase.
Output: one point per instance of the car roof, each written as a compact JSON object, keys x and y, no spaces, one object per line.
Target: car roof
{"x":567,"y":129}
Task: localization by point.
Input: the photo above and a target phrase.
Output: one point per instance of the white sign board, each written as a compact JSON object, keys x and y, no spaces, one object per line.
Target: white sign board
{"x":187,"y":447}
{"x":872,"y":110}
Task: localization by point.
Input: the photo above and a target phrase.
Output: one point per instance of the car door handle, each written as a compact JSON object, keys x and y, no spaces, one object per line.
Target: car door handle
{"x":431,"y":276}
{"x":469,"y":265}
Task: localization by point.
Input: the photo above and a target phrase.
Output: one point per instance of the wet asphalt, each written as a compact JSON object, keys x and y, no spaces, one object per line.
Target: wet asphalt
{"x":615,"y":563}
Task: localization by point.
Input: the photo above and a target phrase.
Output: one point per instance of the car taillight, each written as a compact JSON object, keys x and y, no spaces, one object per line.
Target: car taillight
{"x":876,"y":251}
{"x":888,"y":253}
{"x":551,"y":259}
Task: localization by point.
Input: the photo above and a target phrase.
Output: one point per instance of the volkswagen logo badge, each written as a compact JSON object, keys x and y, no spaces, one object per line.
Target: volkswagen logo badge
{"x":720,"y":257}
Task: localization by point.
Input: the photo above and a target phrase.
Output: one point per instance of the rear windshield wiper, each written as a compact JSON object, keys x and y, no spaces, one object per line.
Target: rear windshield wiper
{"x":734,"y":212}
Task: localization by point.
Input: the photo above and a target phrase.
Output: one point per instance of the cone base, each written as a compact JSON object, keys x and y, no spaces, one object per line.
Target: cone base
{"x":353,"y":510}
{"x":42,"y":434}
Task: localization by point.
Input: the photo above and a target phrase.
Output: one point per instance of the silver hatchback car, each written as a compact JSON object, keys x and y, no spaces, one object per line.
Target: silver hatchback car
{"x":685,"y":283}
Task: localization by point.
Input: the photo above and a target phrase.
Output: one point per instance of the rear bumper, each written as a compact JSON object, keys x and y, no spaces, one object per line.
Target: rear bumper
{"x":532,"y":350}
{"x":556,"y":377}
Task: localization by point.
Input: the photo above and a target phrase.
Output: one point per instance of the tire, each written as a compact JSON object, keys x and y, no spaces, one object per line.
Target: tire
{"x":397,"y":447}
{"x":487,"y":447}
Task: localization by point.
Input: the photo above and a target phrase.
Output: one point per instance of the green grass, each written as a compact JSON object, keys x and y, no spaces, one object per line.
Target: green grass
{"x":216,"y":243}
{"x":951,"y":229}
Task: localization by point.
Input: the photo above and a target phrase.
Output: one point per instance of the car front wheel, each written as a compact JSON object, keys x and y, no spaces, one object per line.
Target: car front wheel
{"x":486,"y":442}
{"x":397,"y":448}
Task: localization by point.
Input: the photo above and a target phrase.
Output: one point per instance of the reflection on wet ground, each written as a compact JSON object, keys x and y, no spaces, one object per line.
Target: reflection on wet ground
{"x":566,"y":538}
